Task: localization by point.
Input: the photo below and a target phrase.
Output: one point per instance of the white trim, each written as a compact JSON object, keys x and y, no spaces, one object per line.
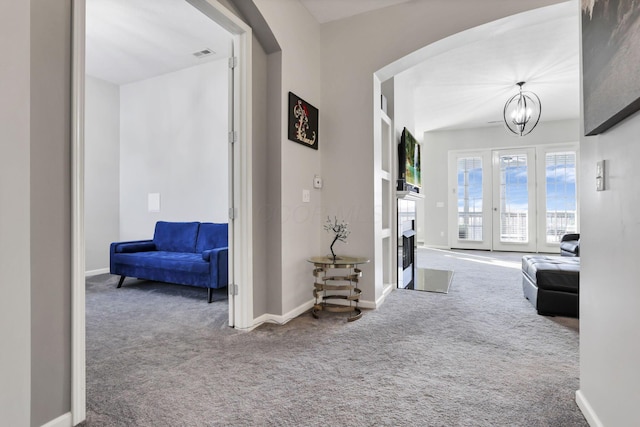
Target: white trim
{"x":282,"y":319}
{"x":388,"y":288}
{"x":242,"y":191}
{"x":587,"y":410}
{"x":63,"y":420}
{"x":78,"y":345}
{"x":445,"y":247}
{"x":243,"y":264}
{"x":96,"y":272}
{"x":371,"y":305}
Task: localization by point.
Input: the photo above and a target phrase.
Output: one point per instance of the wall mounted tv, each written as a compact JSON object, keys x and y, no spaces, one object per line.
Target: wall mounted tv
{"x":409,"y":169}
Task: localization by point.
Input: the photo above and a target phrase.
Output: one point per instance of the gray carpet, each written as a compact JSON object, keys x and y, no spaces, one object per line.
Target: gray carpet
{"x":159,"y":355}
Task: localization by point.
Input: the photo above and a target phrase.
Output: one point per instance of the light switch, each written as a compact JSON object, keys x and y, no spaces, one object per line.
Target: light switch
{"x":306,"y":196}
{"x":600,"y":176}
{"x":317,"y":182}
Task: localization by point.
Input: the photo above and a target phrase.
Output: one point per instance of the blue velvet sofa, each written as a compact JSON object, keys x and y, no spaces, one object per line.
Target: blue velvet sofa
{"x":186,"y":253}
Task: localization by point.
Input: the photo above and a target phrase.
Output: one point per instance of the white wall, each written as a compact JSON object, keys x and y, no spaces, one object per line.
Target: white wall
{"x":436,"y":146}
{"x":102,"y":171}
{"x":15,"y":285}
{"x":174,"y":141}
{"x":609,"y":272}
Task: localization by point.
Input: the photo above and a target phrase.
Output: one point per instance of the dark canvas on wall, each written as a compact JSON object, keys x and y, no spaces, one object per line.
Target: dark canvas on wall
{"x":303,"y":122}
{"x":610,"y":62}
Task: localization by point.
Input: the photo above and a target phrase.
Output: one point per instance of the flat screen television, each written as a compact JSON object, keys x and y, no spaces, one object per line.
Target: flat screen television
{"x":409,"y":163}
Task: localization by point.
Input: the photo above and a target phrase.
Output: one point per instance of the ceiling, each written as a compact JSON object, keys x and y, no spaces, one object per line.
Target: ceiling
{"x":466,"y":86}
{"x":332,"y":10}
{"x":131,"y":40}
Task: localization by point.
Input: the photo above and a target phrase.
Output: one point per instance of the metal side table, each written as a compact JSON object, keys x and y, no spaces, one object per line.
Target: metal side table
{"x":337,"y":280}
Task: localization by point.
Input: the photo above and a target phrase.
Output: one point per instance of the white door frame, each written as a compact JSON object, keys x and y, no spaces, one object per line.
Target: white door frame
{"x":241,"y":242}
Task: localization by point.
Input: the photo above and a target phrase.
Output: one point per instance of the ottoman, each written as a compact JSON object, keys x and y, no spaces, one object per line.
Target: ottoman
{"x":552,"y":284}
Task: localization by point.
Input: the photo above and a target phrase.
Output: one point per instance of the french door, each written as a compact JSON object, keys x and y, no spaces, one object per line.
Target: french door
{"x":470,"y":213}
{"x":521,"y":199}
{"x":514,"y":201}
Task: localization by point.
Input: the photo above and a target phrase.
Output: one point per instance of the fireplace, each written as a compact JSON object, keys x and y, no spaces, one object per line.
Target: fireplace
{"x":406,"y":243}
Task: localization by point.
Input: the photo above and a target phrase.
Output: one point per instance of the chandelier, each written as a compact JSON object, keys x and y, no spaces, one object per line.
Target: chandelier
{"x":522,"y":112}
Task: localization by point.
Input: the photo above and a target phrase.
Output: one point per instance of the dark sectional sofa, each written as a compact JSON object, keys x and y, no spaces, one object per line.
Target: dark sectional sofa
{"x":186,"y":253}
{"x":552,"y":283}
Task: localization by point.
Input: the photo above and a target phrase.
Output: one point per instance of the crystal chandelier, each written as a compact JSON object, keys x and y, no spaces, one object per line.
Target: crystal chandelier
{"x":522,"y":112}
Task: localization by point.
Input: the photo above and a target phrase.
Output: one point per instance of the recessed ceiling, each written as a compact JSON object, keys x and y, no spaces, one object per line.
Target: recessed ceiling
{"x":131,"y":40}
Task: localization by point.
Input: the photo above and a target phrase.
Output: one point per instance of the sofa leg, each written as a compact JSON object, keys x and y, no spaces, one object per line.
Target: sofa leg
{"x":210,"y":295}
{"x":121,"y":281}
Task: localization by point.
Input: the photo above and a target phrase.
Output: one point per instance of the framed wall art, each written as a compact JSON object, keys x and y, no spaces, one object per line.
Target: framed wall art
{"x":610,"y":61}
{"x":303,"y":122}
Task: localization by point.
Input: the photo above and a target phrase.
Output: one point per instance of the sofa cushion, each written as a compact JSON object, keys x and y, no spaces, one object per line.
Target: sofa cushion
{"x":176,"y":236}
{"x":165,"y":260}
{"x":212,"y":235}
{"x":553,"y":272}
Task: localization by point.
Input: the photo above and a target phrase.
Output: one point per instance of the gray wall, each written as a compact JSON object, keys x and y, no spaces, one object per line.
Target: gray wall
{"x":297,"y":226}
{"x":353,"y":49}
{"x":50,"y":210}
{"x":259,"y":177}
{"x":102,"y":171}
{"x":15,"y":243}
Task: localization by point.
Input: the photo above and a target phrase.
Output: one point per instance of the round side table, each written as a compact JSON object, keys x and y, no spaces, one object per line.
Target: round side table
{"x":337,"y":280}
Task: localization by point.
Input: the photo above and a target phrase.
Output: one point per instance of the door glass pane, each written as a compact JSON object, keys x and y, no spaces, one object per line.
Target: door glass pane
{"x":470,"y":198}
{"x":514,"y":199}
{"x":561,"y":195}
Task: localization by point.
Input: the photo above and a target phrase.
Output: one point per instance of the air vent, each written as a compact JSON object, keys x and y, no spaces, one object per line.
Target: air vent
{"x":204,"y":52}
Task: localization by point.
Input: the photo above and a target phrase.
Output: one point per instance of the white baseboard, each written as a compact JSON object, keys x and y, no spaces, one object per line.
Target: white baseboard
{"x":377,"y":303}
{"x":96,"y":272}
{"x":587,"y":410}
{"x":62,"y":421}
{"x":445,"y":247}
{"x":284,"y":318}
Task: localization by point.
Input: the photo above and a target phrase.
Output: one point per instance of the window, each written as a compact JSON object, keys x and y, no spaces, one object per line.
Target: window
{"x":560,"y":170}
{"x":470,"y":198}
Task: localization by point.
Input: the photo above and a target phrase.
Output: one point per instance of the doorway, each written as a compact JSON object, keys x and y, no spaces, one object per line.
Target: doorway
{"x":240,"y":243}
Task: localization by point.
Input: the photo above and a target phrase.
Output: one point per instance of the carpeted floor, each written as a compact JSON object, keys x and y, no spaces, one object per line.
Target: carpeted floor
{"x":159,"y":355}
